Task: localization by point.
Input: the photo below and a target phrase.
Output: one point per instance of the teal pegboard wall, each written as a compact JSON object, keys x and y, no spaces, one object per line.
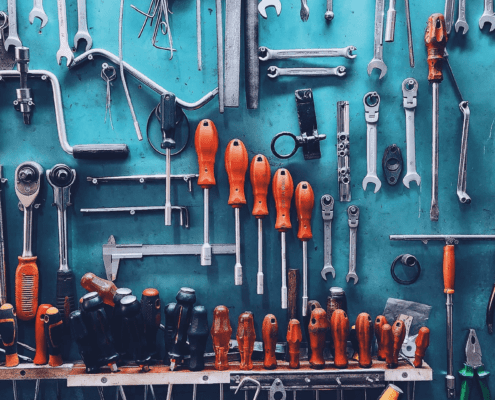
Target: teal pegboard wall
{"x":393,"y":210}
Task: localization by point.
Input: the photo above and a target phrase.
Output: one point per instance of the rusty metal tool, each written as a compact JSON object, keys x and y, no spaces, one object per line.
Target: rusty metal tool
{"x":3,"y":264}
{"x":236,"y":165}
{"x":377,"y":61}
{"x":232,"y":52}
{"x":269,"y":332}
{"x":220,"y":335}
{"x":317,"y":329}
{"x":327,"y":215}
{"x":343,"y":151}
{"x":304,"y":200}
{"x":260,"y":175}
{"x":264,"y":4}
{"x":283,"y":190}
{"x":436,"y":41}
{"x":246,"y":336}
{"x":293,"y":284}
{"x":353,"y":215}
{"x":364,"y":334}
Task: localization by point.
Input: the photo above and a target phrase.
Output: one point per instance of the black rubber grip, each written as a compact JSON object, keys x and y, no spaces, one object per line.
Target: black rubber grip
{"x":489,"y":311}
{"x":66,"y":289}
{"x":151,"y":310}
{"x":198,"y":335}
{"x":99,"y":151}
{"x":8,"y":330}
{"x":88,"y":352}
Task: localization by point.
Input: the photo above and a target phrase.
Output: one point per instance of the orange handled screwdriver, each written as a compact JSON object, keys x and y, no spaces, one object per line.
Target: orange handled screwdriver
{"x":422,"y":343}
{"x":246,"y":336}
{"x":269,"y":332}
{"x":105,"y":289}
{"x":305,"y":201}
{"x":236,"y":164}
{"x":448,"y":283}
{"x":260,"y":175}
{"x":294,"y":338}
{"x":220,"y":335}
{"x":54,"y":331}
{"x":41,"y":356}
{"x":206,"y":143}
{"x":27,"y":187}
{"x":283,"y":190}
{"x":379,"y":322}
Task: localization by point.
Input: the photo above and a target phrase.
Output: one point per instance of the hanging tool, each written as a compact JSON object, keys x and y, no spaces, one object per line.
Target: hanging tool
{"x":339,"y":325}
{"x":364,"y":334}
{"x":197,"y":334}
{"x":353,"y":215}
{"x":232,"y":52}
{"x":28,"y":178}
{"x":151,"y":309}
{"x":3,"y":264}
{"x":462,"y":176}
{"x":236,"y":165}
{"x":392,"y":164}
{"x":275,"y":72}
{"x":461,"y":19}
{"x":329,"y":13}
{"x":54,"y":333}
{"x":343,"y":151}
{"x":24,"y":102}
{"x":371,"y":101}
{"x":269,"y":332}
{"x":246,"y":335}
{"x":436,"y":41}
{"x":38,"y":12}
{"x":251,"y":61}
{"x":318,"y":327}
{"x":293,"y":284}
{"x":377,"y":60}
{"x":266,"y":53}
{"x":488,"y":15}
{"x":13,"y":38}
{"x":9,"y":333}
{"x":264,"y":4}
{"x":409,"y":102}
{"x":220,"y":335}
{"x":409,"y":34}
{"x":220,"y":66}
{"x":294,"y":338}
{"x":260,"y":175}
{"x":61,"y":178}
{"x":327,"y":215}
{"x":304,"y":201}
{"x":422,"y":343}
{"x":82,"y":26}
{"x":390,"y":27}
{"x":105,"y":289}
{"x":449,"y":15}
{"x":64,"y":49}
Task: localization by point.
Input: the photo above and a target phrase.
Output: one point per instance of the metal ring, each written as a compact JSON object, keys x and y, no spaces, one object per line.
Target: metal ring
{"x":416,"y":264}
{"x":278,"y":136}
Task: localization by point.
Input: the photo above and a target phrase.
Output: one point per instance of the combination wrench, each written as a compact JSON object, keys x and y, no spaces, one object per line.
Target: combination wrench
{"x":327,"y":215}
{"x":82,"y":26}
{"x":275,"y":72}
{"x":461,"y":19}
{"x":266,"y":54}
{"x":64,"y":50}
{"x":371,"y":103}
{"x":13,"y":38}
{"x":38,"y":12}
{"x":377,"y":61}
{"x":409,"y":97}
{"x":353,"y":214}
{"x":264,"y":4}
{"x":488,"y":15}
{"x":461,"y":180}
{"x":449,"y":15}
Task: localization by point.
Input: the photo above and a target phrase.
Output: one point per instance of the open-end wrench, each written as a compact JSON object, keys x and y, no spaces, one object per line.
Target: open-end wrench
{"x":38,"y":12}
{"x":266,"y":54}
{"x":327,"y":215}
{"x":353,"y":214}
{"x":488,"y":15}
{"x":449,"y":15}
{"x":82,"y":26}
{"x":409,"y":98}
{"x":275,"y":72}
{"x":371,"y":103}
{"x":461,"y":19}
{"x":13,"y":38}
{"x":377,"y":61}
{"x":264,"y":4}
{"x":64,"y":50}
{"x":461,"y":180}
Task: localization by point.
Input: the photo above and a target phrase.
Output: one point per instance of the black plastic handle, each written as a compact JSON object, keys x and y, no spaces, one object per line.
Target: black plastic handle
{"x":151,"y":309}
{"x":66,"y":294}
{"x":198,"y":334}
{"x":100,"y":151}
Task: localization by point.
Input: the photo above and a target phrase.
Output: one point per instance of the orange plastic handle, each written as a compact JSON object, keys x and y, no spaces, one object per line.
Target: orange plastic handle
{"x":435,"y":41}
{"x":305,"y":201}
{"x":236,"y":164}
{"x":246,"y":335}
{"x":41,"y":356}
{"x":105,"y":289}
{"x":422,"y":343}
{"x":53,"y":329}
{"x":26,"y":288}
{"x":398,"y":335}
{"x":269,"y":332}
{"x":391,"y":392}
{"x":260,"y":175}
{"x":206,"y":143}
{"x":387,"y":343}
{"x":339,"y":324}
{"x":364,"y":333}
{"x":379,"y":322}
{"x":220,"y":335}
{"x":294,"y":339}
{"x":283,"y":190}
{"x":318,"y":327}
{"x":448,"y":269}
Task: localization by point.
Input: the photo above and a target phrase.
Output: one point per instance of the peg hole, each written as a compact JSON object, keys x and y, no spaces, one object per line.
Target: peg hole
{"x":23,"y":373}
{"x":259,"y":159}
{"x":206,"y":122}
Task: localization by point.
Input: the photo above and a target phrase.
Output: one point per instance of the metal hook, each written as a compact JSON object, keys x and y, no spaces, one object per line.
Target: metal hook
{"x":247,"y":379}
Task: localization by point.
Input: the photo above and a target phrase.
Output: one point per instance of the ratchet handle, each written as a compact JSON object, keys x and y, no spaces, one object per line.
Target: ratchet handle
{"x":269,"y":332}
{"x":422,"y":343}
{"x":339,"y":325}
{"x":66,"y":293}
{"x":41,"y":356}
{"x":8,"y":330}
{"x":294,"y":338}
{"x":236,"y":164}
{"x":206,"y":144}
{"x":54,"y":333}
{"x":26,"y":288}
{"x":448,"y":268}
{"x":435,"y":41}
{"x":305,"y":201}
{"x":283,"y":190}
{"x":364,"y":333}
{"x":105,"y":289}
{"x":379,"y":322}
{"x":260,"y":175}
{"x":489,"y":311}
{"x":100,"y":151}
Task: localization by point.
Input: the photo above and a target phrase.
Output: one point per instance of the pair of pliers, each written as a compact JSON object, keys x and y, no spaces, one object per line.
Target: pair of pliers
{"x":473,"y":366}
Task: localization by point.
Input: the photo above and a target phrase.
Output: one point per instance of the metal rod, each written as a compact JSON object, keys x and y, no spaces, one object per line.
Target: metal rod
{"x":450,"y":378}
{"x":434,"y":212}
{"x":221,"y":106}
{"x":409,"y":34}
{"x":206,"y":248}
{"x":198,"y":33}
{"x":238,"y":266}
{"x":305,"y":280}
{"x":62,"y":238}
{"x":28,"y":232}
{"x":284,"y":271}
{"x":425,"y":238}
{"x":3,"y":265}
{"x":168,"y":204}
{"x":259,"y":285}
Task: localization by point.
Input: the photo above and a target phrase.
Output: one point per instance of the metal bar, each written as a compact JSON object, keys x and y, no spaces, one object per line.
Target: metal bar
{"x":425,"y":238}
{"x":3,"y":265}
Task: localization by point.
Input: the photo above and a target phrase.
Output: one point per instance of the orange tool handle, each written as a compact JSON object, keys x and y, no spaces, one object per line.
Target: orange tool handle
{"x":379,"y":322}
{"x":105,"y":289}
{"x":318,"y":326}
{"x":41,"y":356}
{"x":387,"y":343}
{"x":269,"y":332}
{"x":294,"y":339}
{"x":391,"y":392}
{"x":206,"y":143}
{"x":339,"y":324}
{"x":305,"y":201}
{"x":220,"y":334}
{"x":448,"y":269}
{"x":246,"y":335}
{"x":422,"y":343}
{"x":364,"y":333}
{"x":260,"y":175}
{"x":236,"y":164}
{"x":398,"y":336}
{"x":54,"y":332}
{"x":26,"y":288}
{"x":8,"y":330}
{"x":283,"y":190}
{"x":435,"y":41}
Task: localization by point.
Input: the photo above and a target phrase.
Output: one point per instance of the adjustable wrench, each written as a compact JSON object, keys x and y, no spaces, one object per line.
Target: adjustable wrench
{"x":377,"y":61}
{"x":266,"y":54}
{"x":13,"y":39}
{"x":409,"y":94}
{"x":488,"y":15}
{"x":38,"y":12}
{"x":64,"y":50}
{"x":353,"y":214}
{"x":275,"y":72}
{"x":82,"y":26}
{"x":327,"y":215}
{"x":461,"y":180}
{"x":449,"y":15}
{"x":371,"y":115}
{"x":461,"y":19}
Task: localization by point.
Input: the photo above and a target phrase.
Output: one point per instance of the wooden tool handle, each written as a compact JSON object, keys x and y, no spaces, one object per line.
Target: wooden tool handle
{"x":435,"y":41}
{"x":364,"y":333}
{"x":105,"y":289}
{"x":283,"y":190}
{"x":260,"y":175}
{"x":236,"y":164}
{"x":294,"y":338}
{"x":246,"y":335}
{"x":448,"y":269}
{"x":41,"y":356}
{"x":422,"y":343}
{"x":292,"y":283}
{"x":398,"y":334}
{"x":221,"y":331}
{"x":305,"y":201}
{"x":339,"y":325}
{"x":387,"y":343}
{"x":9,"y":332}
{"x":206,"y":143}
{"x":26,"y":288}
{"x":379,"y":322}
{"x":269,"y":331}
{"x":318,"y":326}
{"x":54,"y":331}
